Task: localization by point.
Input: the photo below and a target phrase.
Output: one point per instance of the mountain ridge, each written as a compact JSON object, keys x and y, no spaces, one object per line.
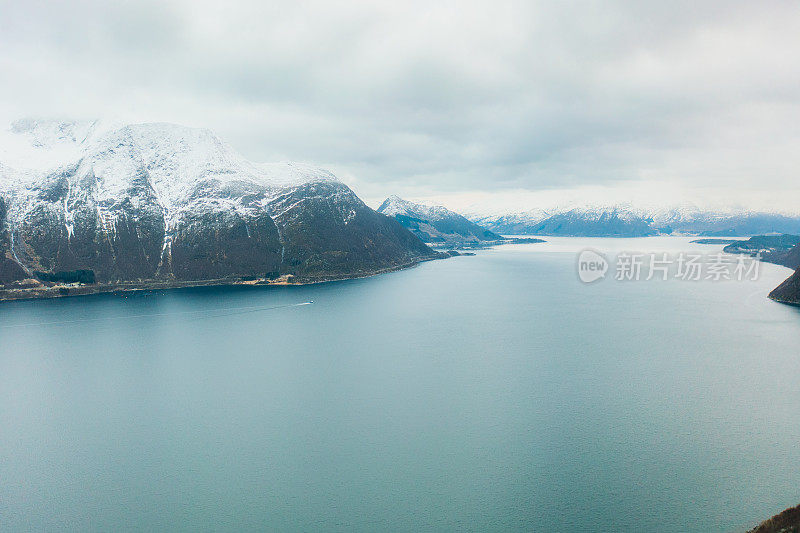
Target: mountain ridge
{"x":165,"y":202}
{"x":625,"y":220}
{"x":436,"y":224}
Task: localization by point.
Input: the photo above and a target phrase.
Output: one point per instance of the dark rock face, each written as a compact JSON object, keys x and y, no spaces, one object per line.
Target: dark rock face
{"x":133,"y":228}
{"x":10,"y":270}
{"x":789,"y":291}
{"x":791,"y":258}
{"x":66,"y":229}
{"x":327,"y":231}
{"x":216,"y":243}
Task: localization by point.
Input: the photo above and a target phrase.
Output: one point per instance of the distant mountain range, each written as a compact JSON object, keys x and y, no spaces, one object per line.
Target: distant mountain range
{"x":627,"y":221}
{"x":166,"y":204}
{"x":440,"y":227}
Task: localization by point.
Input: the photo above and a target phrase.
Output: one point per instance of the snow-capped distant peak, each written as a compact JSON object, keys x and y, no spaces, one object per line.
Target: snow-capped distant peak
{"x":394,"y":205}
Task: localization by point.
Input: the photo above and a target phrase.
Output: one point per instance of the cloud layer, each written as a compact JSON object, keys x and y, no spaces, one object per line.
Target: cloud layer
{"x":427,"y":100}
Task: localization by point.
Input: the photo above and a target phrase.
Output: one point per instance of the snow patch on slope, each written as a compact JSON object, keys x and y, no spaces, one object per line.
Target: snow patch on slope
{"x":178,"y":163}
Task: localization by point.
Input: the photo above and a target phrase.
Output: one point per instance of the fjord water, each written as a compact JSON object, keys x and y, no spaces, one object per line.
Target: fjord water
{"x":494,"y":392}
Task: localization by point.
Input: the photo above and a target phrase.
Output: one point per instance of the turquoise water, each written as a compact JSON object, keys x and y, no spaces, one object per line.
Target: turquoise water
{"x":494,"y":392}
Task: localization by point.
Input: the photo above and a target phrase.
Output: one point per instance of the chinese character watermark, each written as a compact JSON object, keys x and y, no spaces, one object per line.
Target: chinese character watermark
{"x":634,"y":266}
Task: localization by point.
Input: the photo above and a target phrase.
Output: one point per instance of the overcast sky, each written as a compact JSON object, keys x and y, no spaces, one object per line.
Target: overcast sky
{"x":461,"y":101}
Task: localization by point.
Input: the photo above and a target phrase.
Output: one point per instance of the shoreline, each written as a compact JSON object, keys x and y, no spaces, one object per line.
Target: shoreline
{"x":67,"y":290}
{"x":72,"y":290}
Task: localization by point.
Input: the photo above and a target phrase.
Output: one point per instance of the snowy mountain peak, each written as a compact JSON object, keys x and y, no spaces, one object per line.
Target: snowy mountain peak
{"x":394,"y":205}
{"x":177,"y":159}
{"x":627,"y":220}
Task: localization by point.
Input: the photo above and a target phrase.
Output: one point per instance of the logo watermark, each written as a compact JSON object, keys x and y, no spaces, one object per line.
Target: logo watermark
{"x":592,"y":266}
{"x":639,"y":266}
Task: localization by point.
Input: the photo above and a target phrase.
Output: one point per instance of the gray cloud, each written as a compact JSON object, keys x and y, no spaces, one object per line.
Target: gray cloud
{"x":423,"y":99}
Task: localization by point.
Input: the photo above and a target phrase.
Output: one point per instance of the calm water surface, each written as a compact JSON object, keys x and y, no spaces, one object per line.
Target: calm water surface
{"x":493,"y":392}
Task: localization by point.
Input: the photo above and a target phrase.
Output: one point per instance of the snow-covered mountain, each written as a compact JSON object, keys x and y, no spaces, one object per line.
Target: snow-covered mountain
{"x":612,"y":221}
{"x":162,"y":201}
{"x":624,"y":220}
{"x":436,"y":224}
